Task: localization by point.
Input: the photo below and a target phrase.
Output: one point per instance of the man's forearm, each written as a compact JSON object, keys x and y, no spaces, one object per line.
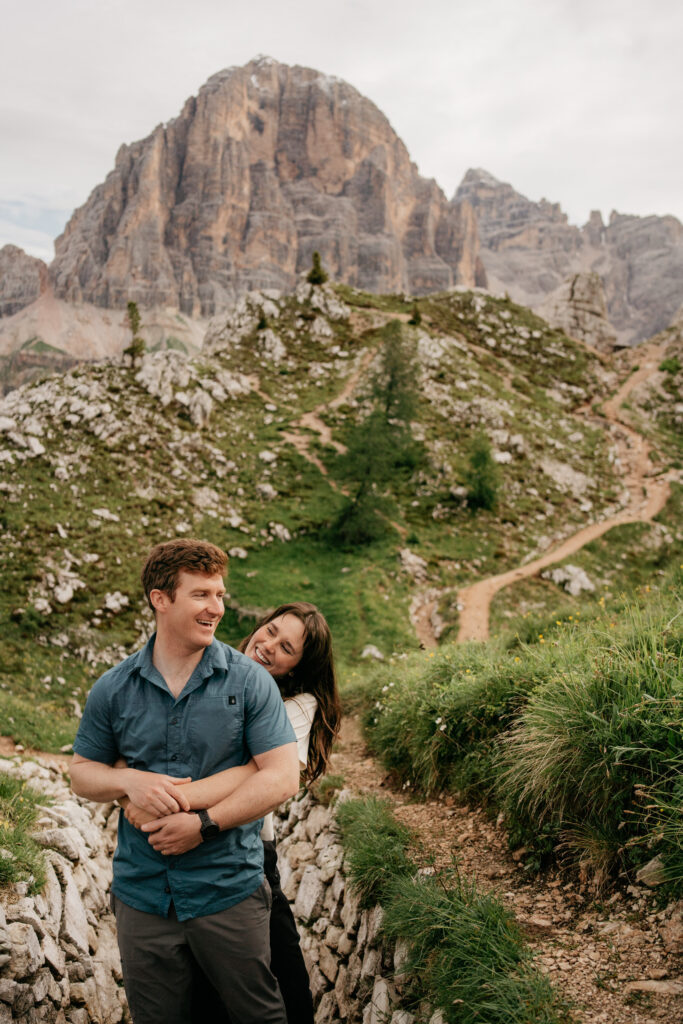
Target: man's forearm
{"x":99,"y":782}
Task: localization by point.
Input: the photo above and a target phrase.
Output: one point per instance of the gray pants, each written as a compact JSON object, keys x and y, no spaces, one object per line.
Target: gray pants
{"x":232,"y":947}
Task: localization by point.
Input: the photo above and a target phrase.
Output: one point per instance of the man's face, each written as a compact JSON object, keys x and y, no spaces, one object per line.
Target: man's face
{"x":192,"y":617}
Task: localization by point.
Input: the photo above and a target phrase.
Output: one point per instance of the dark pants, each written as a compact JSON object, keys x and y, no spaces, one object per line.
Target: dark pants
{"x":286,"y":961}
{"x":158,"y":955}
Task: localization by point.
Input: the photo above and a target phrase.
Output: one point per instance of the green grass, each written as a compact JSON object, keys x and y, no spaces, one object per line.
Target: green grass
{"x":626,"y":563}
{"x":163,"y":476}
{"x":376,"y":846}
{"x":21,"y":858}
{"x":591,"y":737}
{"x":466,"y":956}
{"x":576,"y":735}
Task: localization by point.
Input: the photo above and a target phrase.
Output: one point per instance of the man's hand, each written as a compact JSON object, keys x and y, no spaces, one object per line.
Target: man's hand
{"x":176,"y":833}
{"x":155,"y":793}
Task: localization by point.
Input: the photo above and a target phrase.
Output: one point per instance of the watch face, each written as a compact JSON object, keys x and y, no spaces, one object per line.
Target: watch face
{"x":208,"y":829}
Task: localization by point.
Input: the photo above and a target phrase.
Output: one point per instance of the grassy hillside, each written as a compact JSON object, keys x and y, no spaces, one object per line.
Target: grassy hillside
{"x":106,"y":460}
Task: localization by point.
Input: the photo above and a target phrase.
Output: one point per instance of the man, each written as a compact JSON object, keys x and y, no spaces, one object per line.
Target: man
{"x":188,"y":706}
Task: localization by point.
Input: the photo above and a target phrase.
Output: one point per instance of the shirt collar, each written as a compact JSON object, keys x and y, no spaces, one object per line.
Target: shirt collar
{"x":214,"y":657}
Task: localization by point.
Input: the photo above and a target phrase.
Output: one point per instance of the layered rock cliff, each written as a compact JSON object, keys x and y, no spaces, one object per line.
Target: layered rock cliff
{"x":530,"y":250}
{"x":265,"y":165}
{"x":23,"y":279}
{"x":578,"y":307}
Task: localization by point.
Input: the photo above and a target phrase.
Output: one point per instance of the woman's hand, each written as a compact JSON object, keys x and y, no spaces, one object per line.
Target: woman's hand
{"x":176,"y":833}
{"x":136,"y":815}
{"x":156,"y":793}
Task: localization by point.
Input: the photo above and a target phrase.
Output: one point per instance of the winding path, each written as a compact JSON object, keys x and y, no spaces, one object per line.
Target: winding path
{"x":648,"y":495}
{"x":311,"y":421}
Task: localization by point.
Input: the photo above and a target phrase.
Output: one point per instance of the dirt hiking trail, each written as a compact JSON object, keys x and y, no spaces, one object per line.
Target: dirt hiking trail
{"x":648,"y":495}
{"x":607,"y":958}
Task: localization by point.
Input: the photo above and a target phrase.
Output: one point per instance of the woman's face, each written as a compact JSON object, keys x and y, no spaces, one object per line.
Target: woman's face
{"x":278,"y":645}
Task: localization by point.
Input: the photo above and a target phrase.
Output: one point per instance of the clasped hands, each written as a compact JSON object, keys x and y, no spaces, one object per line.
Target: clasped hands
{"x":159,"y":807}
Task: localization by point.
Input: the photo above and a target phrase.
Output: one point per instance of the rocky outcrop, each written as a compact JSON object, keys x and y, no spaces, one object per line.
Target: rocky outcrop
{"x":265,"y":165}
{"x":530,"y":250}
{"x":59,"y":959}
{"x":578,"y":307}
{"x":23,"y":279}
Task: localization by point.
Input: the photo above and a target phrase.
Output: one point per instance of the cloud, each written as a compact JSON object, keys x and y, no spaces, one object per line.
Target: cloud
{"x":576,"y":100}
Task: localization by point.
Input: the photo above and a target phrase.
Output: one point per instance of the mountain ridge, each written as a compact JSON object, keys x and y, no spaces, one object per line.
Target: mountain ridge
{"x":269,"y":162}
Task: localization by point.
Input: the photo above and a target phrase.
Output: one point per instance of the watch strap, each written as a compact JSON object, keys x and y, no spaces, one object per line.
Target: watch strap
{"x":208,"y":827}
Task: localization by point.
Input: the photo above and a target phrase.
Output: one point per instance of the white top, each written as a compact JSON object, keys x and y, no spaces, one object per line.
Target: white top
{"x":301,"y":712}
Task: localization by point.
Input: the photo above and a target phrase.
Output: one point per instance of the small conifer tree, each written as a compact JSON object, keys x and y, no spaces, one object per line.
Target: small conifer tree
{"x":483,"y":475}
{"x":381,"y":449}
{"x":416,"y":318}
{"x":136,"y":349}
{"x":316,"y":274}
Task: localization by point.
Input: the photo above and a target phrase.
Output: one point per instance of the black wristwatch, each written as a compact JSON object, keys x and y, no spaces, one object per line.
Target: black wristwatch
{"x":208,"y":828}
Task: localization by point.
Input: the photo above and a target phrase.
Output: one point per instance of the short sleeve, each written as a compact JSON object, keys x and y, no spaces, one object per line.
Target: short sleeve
{"x":95,"y":738}
{"x":301,"y":712}
{"x":266,"y":724}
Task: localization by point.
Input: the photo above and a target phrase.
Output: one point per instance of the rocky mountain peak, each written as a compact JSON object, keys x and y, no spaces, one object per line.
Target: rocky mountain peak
{"x":531,"y":251}
{"x":265,"y":165}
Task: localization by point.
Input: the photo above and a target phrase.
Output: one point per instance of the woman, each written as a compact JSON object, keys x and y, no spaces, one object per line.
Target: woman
{"x":293,"y":643}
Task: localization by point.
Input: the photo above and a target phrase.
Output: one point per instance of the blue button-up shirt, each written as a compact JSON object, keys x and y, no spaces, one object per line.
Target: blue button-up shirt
{"x":229,"y":710}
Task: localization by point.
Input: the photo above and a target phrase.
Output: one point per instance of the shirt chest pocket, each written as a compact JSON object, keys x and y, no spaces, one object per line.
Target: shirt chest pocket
{"x":216,"y":725}
{"x":140,"y":734}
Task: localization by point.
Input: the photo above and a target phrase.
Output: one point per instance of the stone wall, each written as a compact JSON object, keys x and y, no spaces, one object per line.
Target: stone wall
{"x":59,"y":960}
{"x":356,"y":976}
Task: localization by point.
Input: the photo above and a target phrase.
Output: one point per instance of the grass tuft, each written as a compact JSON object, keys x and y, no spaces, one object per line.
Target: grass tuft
{"x":21,"y":858}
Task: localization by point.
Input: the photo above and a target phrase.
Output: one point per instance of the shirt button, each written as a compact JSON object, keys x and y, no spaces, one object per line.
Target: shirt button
{"x":174,"y":721}
{"x":174,"y":757}
{"x":167,"y":889}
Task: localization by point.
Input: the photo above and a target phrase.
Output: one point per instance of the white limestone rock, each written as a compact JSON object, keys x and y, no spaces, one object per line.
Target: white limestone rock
{"x":413,"y":564}
{"x":383,"y":996}
{"x":26,"y":954}
{"x":370,"y":651}
{"x":74,"y":928}
{"x":318,"y":819}
{"x":330,"y":860}
{"x":309,"y":898}
{"x":67,"y":841}
{"x":116,"y":601}
{"x":652,"y":874}
{"x":571,"y":578}
{"x":566,"y":477}
{"x":671,"y":929}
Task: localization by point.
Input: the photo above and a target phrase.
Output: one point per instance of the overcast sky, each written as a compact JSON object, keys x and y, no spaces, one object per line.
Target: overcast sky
{"x":577,"y":101}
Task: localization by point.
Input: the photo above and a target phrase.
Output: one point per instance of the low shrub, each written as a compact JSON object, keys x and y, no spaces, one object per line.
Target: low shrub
{"x":590,"y":746}
{"x":579,"y":739}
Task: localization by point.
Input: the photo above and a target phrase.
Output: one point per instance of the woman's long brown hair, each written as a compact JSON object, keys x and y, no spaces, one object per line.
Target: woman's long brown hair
{"x":314,"y":673}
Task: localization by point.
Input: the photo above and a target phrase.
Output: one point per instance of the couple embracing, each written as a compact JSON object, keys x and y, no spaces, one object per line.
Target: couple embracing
{"x":200,"y":742}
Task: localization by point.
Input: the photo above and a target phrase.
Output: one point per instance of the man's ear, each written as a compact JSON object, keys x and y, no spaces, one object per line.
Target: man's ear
{"x":159,"y":599}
